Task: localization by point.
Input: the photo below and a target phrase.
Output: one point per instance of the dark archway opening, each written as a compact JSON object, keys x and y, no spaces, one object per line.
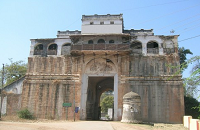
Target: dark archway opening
{"x":38,"y":49}
{"x":152,"y":47}
{"x":101,"y":41}
{"x":97,"y":86}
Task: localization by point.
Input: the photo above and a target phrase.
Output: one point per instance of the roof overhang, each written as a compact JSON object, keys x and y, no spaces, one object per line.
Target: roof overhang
{"x":110,"y":34}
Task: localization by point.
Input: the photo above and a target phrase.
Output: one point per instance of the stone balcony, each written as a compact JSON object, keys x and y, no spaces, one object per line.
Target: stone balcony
{"x":101,"y":48}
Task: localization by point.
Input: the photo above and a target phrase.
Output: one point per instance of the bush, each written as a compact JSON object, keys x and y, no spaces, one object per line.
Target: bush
{"x":25,"y":114}
{"x":190,"y":104}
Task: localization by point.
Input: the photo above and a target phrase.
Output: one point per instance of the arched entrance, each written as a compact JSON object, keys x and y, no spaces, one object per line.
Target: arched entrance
{"x":100,"y":75}
{"x":96,"y":86}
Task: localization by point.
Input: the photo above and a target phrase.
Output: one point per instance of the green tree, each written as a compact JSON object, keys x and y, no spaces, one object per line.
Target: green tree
{"x":106,"y":103}
{"x":13,"y":71}
{"x":189,"y":87}
{"x":182,"y":54}
{"x":105,"y":94}
{"x":193,"y":81}
{"x":190,"y":105}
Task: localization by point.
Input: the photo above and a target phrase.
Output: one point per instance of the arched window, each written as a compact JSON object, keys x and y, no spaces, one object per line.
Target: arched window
{"x":38,"y":49}
{"x":52,"y":49}
{"x":90,"y":42}
{"x":101,"y":41}
{"x":66,"y":49}
{"x":152,"y":47}
{"x":111,"y":41}
{"x":136,"y":47}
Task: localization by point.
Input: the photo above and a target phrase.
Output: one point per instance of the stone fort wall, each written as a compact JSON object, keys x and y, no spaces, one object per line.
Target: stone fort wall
{"x":50,"y":82}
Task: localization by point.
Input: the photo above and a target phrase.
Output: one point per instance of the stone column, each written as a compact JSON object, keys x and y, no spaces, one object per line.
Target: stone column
{"x":116,"y":97}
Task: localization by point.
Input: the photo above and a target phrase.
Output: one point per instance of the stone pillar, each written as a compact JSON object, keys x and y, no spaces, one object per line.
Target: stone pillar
{"x":84,"y":87}
{"x":59,"y":50}
{"x":116,"y":97}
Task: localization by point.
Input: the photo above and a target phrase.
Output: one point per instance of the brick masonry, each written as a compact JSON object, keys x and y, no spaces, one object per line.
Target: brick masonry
{"x":49,"y":83}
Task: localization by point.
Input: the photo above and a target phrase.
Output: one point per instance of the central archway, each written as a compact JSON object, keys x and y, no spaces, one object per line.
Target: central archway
{"x":96,"y":86}
{"x":97,"y":73}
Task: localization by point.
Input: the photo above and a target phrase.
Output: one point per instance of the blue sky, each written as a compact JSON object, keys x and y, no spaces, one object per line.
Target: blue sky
{"x":22,"y":20}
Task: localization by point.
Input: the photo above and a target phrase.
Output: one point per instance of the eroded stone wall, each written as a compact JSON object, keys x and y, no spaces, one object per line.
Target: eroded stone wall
{"x":48,"y":84}
{"x":11,"y":103}
{"x":162,"y":96}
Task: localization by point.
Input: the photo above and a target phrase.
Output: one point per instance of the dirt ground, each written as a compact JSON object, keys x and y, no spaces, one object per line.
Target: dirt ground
{"x":15,"y":123}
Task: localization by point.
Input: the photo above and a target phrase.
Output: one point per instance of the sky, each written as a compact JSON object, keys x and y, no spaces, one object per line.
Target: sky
{"x":22,"y":20}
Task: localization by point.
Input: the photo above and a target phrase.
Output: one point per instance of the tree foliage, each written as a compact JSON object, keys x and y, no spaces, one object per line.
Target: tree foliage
{"x":190,"y":105}
{"x":190,"y":88}
{"x":105,"y":94}
{"x":13,"y":71}
{"x":106,"y":103}
{"x":193,"y":81}
{"x":182,"y":54}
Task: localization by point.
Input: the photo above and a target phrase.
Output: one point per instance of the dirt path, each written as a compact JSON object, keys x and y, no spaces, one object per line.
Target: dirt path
{"x":83,"y":125}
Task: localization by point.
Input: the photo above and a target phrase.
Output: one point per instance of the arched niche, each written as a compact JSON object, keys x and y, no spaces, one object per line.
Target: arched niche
{"x":65,"y":50}
{"x":90,"y":42}
{"x":101,"y":41}
{"x":38,"y":49}
{"x":152,"y":47}
{"x":52,"y":49}
{"x":111,"y":41}
{"x":100,"y":65}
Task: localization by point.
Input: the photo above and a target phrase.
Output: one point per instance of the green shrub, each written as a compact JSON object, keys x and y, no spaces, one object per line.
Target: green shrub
{"x":25,"y":114}
{"x":190,"y":104}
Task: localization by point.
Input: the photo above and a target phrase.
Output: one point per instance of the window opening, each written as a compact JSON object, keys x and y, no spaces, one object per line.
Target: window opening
{"x":90,"y":42}
{"x":66,"y":49}
{"x":101,"y":23}
{"x":53,"y":47}
{"x":91,"y":23}
{"x":152,"y":47}
{"x":52,"y":50}
{"x":101,"y":41}
{"x":111,"y":41}
{"x":111,"y":22}
{"x":39,"y":47}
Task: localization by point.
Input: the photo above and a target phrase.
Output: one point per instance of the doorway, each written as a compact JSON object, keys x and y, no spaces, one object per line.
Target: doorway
{"x":96,"y":86}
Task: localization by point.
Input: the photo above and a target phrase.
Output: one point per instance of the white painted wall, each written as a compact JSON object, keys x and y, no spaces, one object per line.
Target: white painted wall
{"x":106,"y":28}
{"x":101,"y":29}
